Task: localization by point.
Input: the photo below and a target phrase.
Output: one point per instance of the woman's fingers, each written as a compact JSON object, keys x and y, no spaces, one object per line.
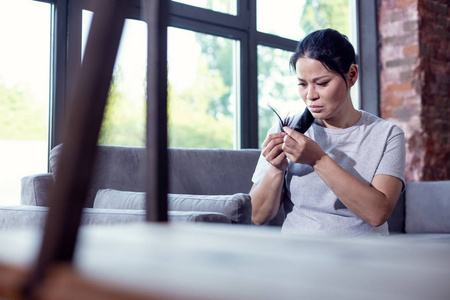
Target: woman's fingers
{"x":299,"y":148}
{"x":275,"y":151}
{"x":272,"y":149}
{"x":269,"y":137}
{"x":293,"y":141}
{"x":280,"y":161}
{"x":277,"y":158}
{"x":272,"y":136}
{"x":271,"y":141}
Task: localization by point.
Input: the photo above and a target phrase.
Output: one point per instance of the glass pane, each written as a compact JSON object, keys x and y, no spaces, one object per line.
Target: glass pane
{"x":295,"y":18}
{"x":124,"y":119}
{"x":277,"y":87}
{"x":202,"y":90}
{"x":223,"y":6}
{"x":24,"y":93}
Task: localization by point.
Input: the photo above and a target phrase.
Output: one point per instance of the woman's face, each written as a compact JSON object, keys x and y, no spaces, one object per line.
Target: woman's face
{"x":324,"y":92}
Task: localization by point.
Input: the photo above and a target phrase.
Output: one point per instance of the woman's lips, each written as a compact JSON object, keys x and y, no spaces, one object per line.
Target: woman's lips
{"x":315,"y":108}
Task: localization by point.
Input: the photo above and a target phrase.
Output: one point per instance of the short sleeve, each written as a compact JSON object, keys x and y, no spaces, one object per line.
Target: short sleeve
{"x":260,"y":170}
{"x":393,"y":161}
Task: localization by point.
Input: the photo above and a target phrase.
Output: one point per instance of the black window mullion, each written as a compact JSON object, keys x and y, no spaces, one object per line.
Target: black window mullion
{"x":206,"y":16}
{"x":249,"y":99}
{"x":207,"y":28}
{"x":59,"y":71}
{"x":74,"y":41}
{"x":275,"y":41}
{"x":133,"y":13}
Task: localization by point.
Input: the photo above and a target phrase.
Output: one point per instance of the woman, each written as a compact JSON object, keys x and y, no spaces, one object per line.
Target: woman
{"x":345,"y":174}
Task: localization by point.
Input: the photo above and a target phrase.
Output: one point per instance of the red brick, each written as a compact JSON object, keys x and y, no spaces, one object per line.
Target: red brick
{"x":411,"y":50}
{"x":393,"y":100}
{"x":405,"y":3}
{"x":398,"y":87}
{"x":415,"y":89}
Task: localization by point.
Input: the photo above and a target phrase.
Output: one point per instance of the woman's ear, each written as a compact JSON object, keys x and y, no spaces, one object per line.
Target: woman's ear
{"x":352,"y":74}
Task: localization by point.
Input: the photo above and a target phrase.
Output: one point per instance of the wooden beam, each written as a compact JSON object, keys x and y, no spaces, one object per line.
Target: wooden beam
{"x":88,"y":99}
{"x":155,"y":13}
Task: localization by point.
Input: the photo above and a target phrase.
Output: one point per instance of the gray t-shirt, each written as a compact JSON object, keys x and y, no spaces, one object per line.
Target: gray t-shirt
{"x":371,"y":147}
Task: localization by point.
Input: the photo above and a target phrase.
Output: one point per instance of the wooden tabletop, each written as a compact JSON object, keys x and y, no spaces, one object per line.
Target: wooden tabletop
{"x":206,"y":261}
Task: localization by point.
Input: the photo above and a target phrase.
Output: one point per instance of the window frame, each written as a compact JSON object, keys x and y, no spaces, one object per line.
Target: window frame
{"x":242,"y":27}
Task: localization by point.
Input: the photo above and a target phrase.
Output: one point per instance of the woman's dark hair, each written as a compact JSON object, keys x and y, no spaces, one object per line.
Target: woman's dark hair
{"x":328,"y":46}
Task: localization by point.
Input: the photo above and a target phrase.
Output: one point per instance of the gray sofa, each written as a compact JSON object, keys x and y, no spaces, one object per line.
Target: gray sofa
{"x":204,"y":186}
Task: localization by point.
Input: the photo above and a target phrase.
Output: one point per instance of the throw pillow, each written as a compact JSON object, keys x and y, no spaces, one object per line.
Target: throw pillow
{"x":236,"y":207}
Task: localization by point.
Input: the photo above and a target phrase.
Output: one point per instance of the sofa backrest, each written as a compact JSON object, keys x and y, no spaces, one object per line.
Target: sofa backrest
{"x":211,"y":172}
{"x":427,"y":207}
{"x":191,"y":171}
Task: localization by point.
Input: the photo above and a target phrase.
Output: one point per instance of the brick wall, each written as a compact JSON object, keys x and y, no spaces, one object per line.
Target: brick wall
{"x":415,"y":81}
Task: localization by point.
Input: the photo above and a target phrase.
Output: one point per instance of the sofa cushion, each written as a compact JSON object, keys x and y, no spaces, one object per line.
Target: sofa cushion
{"x":427,"y":207}
{"x":197,"y":216}
{"x":24,"y":216}
{"x":236,"y":207}
{"x":99,"y":216}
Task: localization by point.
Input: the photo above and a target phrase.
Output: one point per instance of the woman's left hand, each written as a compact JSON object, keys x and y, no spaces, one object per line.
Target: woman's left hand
{"x":300,"y":148}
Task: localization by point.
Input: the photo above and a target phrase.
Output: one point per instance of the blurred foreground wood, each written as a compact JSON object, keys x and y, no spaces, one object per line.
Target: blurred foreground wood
{"x":211,"y":261}
{"x":12,"y":280}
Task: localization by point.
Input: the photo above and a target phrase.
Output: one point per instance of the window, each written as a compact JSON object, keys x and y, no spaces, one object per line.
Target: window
{"x":281,"y":18}
{"x":202,"y":90}
{"x":277,"y":85}
{"x":227,"y":60}
{"x":242,"y":49}
{"x":124,"y":119}
{"x":24,"y":93}
{"x":265,"y":75}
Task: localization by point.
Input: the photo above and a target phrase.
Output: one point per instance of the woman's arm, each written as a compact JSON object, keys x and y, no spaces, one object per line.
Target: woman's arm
{"x":267,"y":194}
{"x":379,"y":197}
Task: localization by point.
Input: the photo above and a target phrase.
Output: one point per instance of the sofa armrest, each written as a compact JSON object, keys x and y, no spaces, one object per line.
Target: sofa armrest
{"x":15,"y":217}
{"x":35,"y":189}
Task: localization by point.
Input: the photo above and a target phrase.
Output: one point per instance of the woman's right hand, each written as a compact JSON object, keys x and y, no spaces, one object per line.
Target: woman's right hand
{"x":273,"y":152}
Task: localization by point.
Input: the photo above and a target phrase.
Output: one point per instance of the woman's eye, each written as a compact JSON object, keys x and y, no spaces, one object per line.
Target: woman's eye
{"x":301,"y":84}
{"x":322,"y":83}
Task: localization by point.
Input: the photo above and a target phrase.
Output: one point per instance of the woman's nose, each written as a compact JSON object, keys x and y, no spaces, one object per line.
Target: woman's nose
{"x":312,"y":93}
